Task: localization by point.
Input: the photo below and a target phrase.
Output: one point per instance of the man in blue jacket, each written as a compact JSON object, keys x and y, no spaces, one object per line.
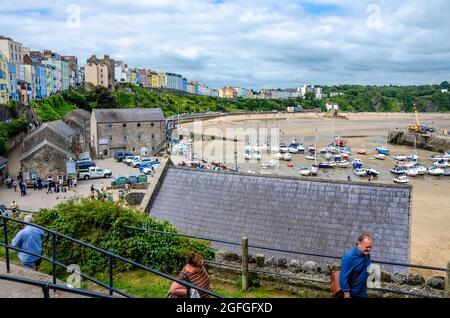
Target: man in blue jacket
{"x":353,"y":276}
{"x":29,"y":239}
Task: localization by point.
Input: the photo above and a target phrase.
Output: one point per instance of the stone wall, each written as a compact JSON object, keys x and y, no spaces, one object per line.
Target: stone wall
{"x":134,"y":198}
{"x":431,"y":142}
{"x":295,"y":276}
{"x":50,"y":135}
{"x":46,"y":162}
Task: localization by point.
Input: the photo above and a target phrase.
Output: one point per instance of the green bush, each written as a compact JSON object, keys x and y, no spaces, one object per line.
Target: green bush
{"x":9,"y":130}
{"x":52,"y":108}
{"x":102,"y":224}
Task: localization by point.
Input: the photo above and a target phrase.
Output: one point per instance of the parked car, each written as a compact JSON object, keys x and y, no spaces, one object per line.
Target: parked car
{"x":129,"y":159}
{"x":81,"y":159}
{"x":94,"y":173}
{"x":149,"y":164}
{"x":120,"y":156}
{"x":141,"y":162}
{"x":84,"y":164}
{"x":148,"y":169}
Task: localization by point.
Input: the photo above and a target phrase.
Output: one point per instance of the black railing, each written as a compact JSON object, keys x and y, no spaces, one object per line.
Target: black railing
{"x":226,"y":242}
{"x":111,"y":258}
{"x":47,"y":286}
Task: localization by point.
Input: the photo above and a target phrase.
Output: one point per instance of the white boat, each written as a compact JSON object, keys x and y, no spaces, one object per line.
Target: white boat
{"x":360,"y":172}
{"x":421,"y":170}
{"x":287,"y":157}
{"x":413,"y":158}
{"x":293,"y":149}
{"x":440,"y":157}
{"x":252,"y":155}
{"x":323,"y":150}
{"x":305,"y":172}
{"x":401,"y":179}
{"x":275,"y":149}
{"x":441,"y":164}
{"x":284,"y":148}
{"x":400,"y":157}
{"x":435,"y":171}
{"x":270,"y":164}
{"x":372,"y":172}
{"x":380,"y":156}
{"x":343,"y":164}
{"x":310,"y":157}
{"x":412,"y":172}
{"x":314,"y":170}
{"x":357,"y":163}
{"x":278,"y":156}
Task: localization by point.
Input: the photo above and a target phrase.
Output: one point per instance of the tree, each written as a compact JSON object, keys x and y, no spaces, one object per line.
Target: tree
{"x":445,"y":85}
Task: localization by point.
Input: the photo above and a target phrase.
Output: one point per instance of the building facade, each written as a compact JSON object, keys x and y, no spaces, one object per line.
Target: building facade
{"x":63,"y":68}
{"x":13,"y":92}
{"x":4,"y":79}
{"x":96,"y":74}
{"x":12,"y":50}
{"x":141,"y":130}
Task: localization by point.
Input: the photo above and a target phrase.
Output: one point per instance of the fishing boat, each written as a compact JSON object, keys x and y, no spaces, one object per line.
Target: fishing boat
{"x":270,"y":164}
{"x":323,"y":150}
{"x":361,"y":152}
{"x":287,"y":157}
{"x":300,"y":148}
{"x":293,"y":148}
{"x":380,"y":156}
{"x":421,"y":170}
{"x":413,"y":158}
{"x":332,"y":149}
{"x":360,"y":172}
{"x":435,"y":171}
{"x":413,"y":172}
{"x":440,"y":157}
{"x":383,"y":150}
{"x":357,"y":163}
{"x":275,"y":149}
{"x":283,"y":148}
{"x":314,"y":169}
{"x":310,"y":157}
{"x":327,"y":164}
{"x":372,"y":172}
{"x":278,"y":156}
{"x":399,"y":170}
{"x":343,"y":164}
{"x":311,"y":149}
{"x":441,"y":164}
{"x":401,"y":179}
{"x":305,"y":172}
{"x":400,"y":157}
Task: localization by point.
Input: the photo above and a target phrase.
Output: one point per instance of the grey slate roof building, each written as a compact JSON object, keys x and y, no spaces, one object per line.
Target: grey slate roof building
{"x":128,"y":115}
{"x":295,"y":214}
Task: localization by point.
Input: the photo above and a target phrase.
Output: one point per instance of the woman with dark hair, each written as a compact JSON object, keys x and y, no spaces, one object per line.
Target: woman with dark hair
{"x":195,"y":273}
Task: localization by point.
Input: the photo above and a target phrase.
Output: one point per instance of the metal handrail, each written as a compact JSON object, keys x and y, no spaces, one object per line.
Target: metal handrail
{"x":110,"y":255}
{"x":47,"y":286}
{"x":284,"y":251}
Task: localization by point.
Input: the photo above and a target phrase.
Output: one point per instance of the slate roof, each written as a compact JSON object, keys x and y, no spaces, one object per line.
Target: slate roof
{"x":295,"y":214}
{"x":43,"y":144}
{"x":57,"y":126}
{"x":128,"y":115}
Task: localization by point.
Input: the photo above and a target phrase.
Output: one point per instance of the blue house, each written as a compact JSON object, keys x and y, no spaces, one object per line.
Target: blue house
{"x":12,"y":73}
{"x":40,"y":81}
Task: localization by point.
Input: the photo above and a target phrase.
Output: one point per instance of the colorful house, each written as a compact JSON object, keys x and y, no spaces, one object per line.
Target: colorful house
{"x":4,"y":79}
{"x":13,"y":93}
{"x":154,"y":79}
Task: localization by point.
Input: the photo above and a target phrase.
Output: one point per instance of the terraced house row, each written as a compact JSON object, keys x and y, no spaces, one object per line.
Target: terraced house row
{"x":26,"y":75}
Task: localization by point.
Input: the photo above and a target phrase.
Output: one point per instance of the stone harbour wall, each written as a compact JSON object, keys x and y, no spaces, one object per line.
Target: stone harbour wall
{"x":431,"y":142}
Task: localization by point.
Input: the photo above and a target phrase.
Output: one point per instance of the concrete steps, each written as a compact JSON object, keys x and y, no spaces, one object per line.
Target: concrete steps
{"x":18,"y":290}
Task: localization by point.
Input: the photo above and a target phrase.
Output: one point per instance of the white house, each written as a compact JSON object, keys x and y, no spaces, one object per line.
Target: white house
{"x":331,"y":106}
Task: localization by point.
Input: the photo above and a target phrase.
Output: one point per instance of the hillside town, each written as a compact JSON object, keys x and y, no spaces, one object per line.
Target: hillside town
{"x":27,"y":74}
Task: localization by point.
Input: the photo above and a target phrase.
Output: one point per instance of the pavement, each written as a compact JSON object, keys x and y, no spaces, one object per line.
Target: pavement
{"x":39,"y":199}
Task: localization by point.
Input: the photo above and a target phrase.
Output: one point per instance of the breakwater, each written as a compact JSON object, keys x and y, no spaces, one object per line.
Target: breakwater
{"x":431,"y":142}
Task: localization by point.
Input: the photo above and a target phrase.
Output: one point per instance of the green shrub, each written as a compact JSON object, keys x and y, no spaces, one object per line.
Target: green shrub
{"x":102,"y":224}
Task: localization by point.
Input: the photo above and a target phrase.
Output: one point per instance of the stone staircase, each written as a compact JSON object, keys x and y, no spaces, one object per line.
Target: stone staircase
{"x":17,"y":290}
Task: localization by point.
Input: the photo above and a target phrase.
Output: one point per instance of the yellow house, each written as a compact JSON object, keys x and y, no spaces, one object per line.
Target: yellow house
{"x":4,"y":79}
{"x":133,"y":76}
{"x":154,"y":79}
{"x":162,"y":80}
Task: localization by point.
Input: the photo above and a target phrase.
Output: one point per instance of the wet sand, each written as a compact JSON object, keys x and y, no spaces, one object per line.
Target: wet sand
{"x":430,"y":233}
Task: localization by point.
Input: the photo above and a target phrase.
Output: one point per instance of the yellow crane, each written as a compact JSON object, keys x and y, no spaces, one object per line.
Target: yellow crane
{"x":415,"y":128}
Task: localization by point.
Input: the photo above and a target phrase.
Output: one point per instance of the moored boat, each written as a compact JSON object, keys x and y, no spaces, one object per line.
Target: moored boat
{"x":305,"y":172}
{"x":412,"y":172}
{"x":383,"y":150}
{"x":401,"y":179}
{"x":357,"y":163}
{"x":360,"y":172}
{"x":435,"y":171}
{"x":400,"y":157}
{"x":399,"y":170}
{"x":380,"y":156}
{"x":372,"y":172}
{"x":361,"y":152}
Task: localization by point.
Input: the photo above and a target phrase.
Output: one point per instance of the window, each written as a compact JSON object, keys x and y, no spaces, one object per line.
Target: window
{"x":105,"y":152}
{"x":139,"y":124}
{"x":110,"y":138}
{"x":153,"y":136}
{"x":152,"y":124}
{"x":134,"y":148}
{"x":139,"y":136}
{"x":125,"y":137}
{"x":109,"y":125}
{"x":124,"y":125}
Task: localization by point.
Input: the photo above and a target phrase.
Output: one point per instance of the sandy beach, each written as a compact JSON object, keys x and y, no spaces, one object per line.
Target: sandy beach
{"x":430,"y":232}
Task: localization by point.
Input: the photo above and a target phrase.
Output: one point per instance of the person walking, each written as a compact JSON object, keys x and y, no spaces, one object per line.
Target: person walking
{"x":49,"y":187}
{"x":92,"y":192}
{"x":14,"y":207}
{"x":75,"y":182}
{"x":29,"y":239}
{"x":195,"y":273}
{"x":353,"y":275}
{"x":14,"y":184}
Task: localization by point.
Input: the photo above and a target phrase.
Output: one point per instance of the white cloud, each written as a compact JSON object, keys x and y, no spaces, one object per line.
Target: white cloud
{"x":252,"y":43}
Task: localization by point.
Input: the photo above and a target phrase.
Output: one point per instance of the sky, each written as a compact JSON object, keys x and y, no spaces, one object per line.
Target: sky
{"x":253,"y":43}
